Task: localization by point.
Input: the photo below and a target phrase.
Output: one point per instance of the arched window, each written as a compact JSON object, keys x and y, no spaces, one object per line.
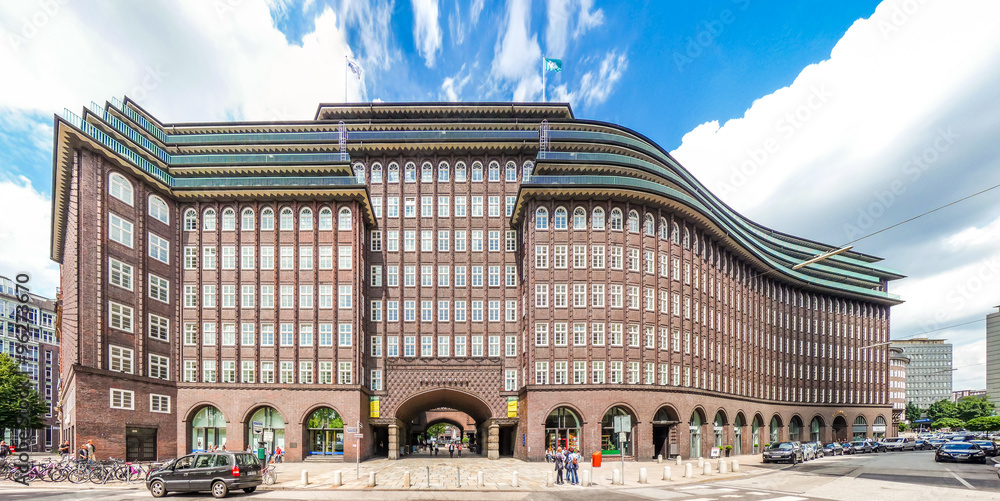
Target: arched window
{"x":287,"y":219}
{"x":267,"y":219}
{"x":579,"y":218}
{"x":394,"y":172}
{"x":613,"y":444}
{"x":775,"y":429}
{"x":325,"y":219}
{"x":675,"y":233}
{"x":695,"y":245}
{"x":426,"y":173}
{"x":444,"y":173}
{"x":687,"y":238}
{"x":562,"y":429}
{"x":541,"y":219}
{"x":410,"y":172}
{"x":228,"y":219}
{"x":559,"y":220}
{"x":650,"y":225}
{"x":694,"y":429}
{"x":121,"y":188}
{"x":305,"y":219}
{"x":526,"y":170}
{"x":247,"y":219}
{"x":460,"y":172}
{"x":190,"y":220}
{"x":344,"y":219}
{"x":158,"y":209}
{"x":664,"y":229}
{"x":477,"y":171}
{"x":598,"y":219}
{"x":208,"y":222}
{"x":511,"y":172}
{"x":494,"y":171}
{"x":633,"y":221}
{"x":616,"y":219}
{"x":376,"y":173}
{"x":359,"y":173}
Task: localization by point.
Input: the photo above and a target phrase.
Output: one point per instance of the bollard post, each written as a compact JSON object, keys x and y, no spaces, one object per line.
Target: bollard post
{"x":701,"y":462}
{"x":722,"y":465}
{"x":305,"y":477}
{"x":550,"y":479}
{"x":659,"y":458}
{"x":616,"y":476}
{"x":585,"y":478}
{"x":678,"y":458}
{"x":736,"y":466}
{"x":642,"y":475}
{"x":338,"y":478}
{"x":666,"y":473}
{"x":514,"y":479}
{"x":480,"y":479}
{"x":406,"y":480}
{"x":371,"y":479}
{"x":706,"y":469}
{"x":688,"y":470}
{"x":459,"y":473}
{"x":428,"y":477}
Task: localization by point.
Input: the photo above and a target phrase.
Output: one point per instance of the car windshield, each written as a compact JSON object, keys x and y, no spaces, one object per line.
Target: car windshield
{"x":858,"y":444}
{"x":959,"y":447}
{"x":782,"y":446}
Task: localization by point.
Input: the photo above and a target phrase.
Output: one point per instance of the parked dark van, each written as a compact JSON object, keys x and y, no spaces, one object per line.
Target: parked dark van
{"x":218,"y":472}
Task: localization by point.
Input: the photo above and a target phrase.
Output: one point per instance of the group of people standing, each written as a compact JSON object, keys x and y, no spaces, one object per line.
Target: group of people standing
{"x":567,"y":462}
{"x":87,"y":451}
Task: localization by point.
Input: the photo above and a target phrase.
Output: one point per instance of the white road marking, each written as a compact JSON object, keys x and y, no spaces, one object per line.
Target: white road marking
{"x":960,"y":479}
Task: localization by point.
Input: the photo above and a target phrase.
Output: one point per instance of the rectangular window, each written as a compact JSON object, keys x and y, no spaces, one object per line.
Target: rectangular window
{"x":477,"y":240}
{"x":460,"y":206}
{"x":444,"y":240}
{"x":460,"y":241}
{"x":120,"y":316}
{"x":376,"y":379}
{"x":494,"y":206}
{"x":287,"y":336}
{"x":426,"y":206}
{"x":305,"y":372}
{"x":325,"y":373}
{"x":190,"y":258}
{"x":392,"y":209}
{"x":409,"y":207}
{"x":376,"y":311}
{"x":247,"y":371}
{"x":267,"y":372}
{"x":208,"y":371}
{"x":326,"y":257}
{"x":615,"y":372}
{"x":121,"y":231}
{"x":477,"y":206}
{"x":159,"y":248}
{"x":597,"y":372}
{"x":122,"y":399}
{"x":159,"y":367}
{"x":541,"y":373}
{"x":460,"y":348}
{"x":190,"y":371}
{"x":228,"y":296}
{"x":267,"y":258}
{"x":597,"y":333}
{"x":287,"y":259}
{"x":392,"y":346}
{"x":305,"y":257}
{"x":344,"y":373}
{"x":477,"y":346}
{"x":228,"y":257}
{"x":376,"y":241}
{"x":287,"y":372}
{"x":159,"y":328}
{"x":444,"y":206}
{"x":510,"y":346}
{"x":120,"y":274}
{"x":208,"y":257}
{"x":305,"y":296}
{"x":344,"y":253}
{"x":579,"y":295}
{"x":119,"y":359}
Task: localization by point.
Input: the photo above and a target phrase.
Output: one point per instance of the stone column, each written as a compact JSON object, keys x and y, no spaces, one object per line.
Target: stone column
{"x":493,"y":448}
{"x":393,"y":441}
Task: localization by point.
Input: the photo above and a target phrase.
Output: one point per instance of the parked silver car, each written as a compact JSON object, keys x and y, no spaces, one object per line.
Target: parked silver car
{"x":899,"y":444}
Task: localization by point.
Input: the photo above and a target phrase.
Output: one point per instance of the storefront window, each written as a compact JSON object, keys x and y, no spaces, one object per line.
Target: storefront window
{"x":695,"y":429}
{"x":562,"y":429}
{"x":272,"y":429}
{"x":208,"y":430}
{"x":326,"y":432}
{"x":611,"y":443}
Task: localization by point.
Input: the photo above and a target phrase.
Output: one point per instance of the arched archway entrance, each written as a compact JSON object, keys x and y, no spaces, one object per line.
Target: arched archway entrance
{"x":611,"y":441}
{"x":738,"y":424}
{"x":758,"y":423}
{"x":860,"y":428}
{"x":562,"y":429}
{"x":879,"y":428}
{"x":795,"y":429}
{"x":775,"y":429}
{"x":325,"y":432}
{"x":271,"y":426}
{"x":208,"y":429}
{"x":694,"y":430}
{"x":483,"y":431}
{"x":664,"y":432}
{"x":718,"y":429}
{"x":815,"y":429}
{"x":840,"y":429}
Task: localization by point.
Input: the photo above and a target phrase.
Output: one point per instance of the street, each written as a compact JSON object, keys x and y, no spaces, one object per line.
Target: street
{"x":904,"y":476}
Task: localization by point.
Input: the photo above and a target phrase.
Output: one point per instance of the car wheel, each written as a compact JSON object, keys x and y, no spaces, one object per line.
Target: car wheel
{"x":157,"y":489}
{"x":219,"y":489}
{"x":248,"y":490}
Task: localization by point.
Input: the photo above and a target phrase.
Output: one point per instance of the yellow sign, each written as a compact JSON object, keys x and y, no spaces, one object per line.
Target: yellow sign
{"x":511,"y":406}
{"x":373,"y":407}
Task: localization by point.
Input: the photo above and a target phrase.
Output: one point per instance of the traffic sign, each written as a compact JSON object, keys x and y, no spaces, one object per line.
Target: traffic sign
{"x":257,"y":427}
{"x":350,"y":429}
{"x":359,"y":435}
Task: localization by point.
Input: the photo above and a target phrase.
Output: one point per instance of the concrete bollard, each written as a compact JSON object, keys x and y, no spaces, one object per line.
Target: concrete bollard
{"x":706,"y":469}
{"x":678,"y":460}
{"x":642,"y":475}
{"x":736,"y":466}
{"x":688,"y":470}
{"x":338,"y":478}
{"x":371,"y":479}
{"x":585,"y":478}
{"x":659,"y":458}
{"x":722,"y":466}
{"x":305,"y":477}
{"x":514,"y":479}
{"x":616,"y":476}
{"x":701,"y":462}
{"x":480,"y":479}
{"x":406,"y":480}
{"x":550,"y":479}
{"x":666,"y":473}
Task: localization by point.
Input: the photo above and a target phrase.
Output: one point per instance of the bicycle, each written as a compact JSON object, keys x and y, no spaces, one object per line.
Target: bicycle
{"x":268,"y":473}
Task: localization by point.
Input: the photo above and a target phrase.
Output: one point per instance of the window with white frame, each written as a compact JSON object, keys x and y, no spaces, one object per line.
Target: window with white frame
{"x":120,"y":274}
{"x":159,"y":328}
{"x":120,"y":230}
{"x":159,"y":366}
{"x":119,"y":359}
{"x":120,"y":316}
{"x":122,"y":399}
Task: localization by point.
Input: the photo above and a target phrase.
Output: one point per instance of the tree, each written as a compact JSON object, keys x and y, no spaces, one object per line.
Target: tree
{"x":948,"y":423}
{"x":20,"y":406}
{"x":942,"y":409}
{"x":913,"y":411}
{"x":985,"y":423}
{"x":970,"y":408}
{"x":902,"y":427}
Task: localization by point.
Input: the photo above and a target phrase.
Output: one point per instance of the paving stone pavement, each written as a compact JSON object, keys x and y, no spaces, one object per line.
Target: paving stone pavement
{"x":443,"y":473}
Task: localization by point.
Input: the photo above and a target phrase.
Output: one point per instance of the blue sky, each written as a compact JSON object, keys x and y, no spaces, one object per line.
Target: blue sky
{"x":824,"y":119}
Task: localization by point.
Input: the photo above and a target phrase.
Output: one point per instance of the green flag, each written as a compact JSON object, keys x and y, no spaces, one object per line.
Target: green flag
{"x":553,"y":64}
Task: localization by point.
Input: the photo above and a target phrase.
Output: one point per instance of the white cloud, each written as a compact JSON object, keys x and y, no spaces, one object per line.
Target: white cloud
{"x":517,"y":56}
{"x":426,"y":30}
{"x":24,"y":240}
{"x":899,"y":120}
{"x":251,"y":73}
{"x":595,"y":87}
{"x":452,"y":86}
{"x":587,"y":19}
{"x":560,"y":17}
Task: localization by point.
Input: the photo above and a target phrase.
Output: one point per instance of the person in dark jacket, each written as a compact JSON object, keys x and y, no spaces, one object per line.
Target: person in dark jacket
{"x":560,"y":460}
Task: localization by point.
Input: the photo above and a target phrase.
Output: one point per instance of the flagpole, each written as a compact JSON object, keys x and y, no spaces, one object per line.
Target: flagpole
{"x":543,"y":78}
{"x":345,"y":78}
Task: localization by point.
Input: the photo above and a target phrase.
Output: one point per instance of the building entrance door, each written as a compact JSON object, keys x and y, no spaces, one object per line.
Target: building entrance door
{"x":326,"y":442}
{"x":140,"y":444}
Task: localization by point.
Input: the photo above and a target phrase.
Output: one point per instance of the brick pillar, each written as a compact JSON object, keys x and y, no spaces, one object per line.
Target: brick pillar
{"x":493,"y":445}
{"x":393,"y":441}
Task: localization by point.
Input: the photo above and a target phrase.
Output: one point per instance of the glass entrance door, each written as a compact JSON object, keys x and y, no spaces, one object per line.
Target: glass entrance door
{"x":326,"y":442}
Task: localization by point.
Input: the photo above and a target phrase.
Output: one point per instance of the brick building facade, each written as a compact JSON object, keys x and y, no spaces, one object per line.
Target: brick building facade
{"x":285,"y":282}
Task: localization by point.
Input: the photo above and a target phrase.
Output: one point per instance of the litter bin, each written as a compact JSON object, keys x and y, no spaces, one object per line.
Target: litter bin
{"x":595,"y":459}
{"x":261,"y":453}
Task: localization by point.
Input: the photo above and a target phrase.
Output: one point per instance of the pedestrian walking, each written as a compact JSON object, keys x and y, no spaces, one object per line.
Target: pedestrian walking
{"x":4,"y":449}
{"x":560,"y":460}
{"x":91,"y":451}
{"x":572,"y":466}
{"x":451,"y":450}
{"x":459,"y":447}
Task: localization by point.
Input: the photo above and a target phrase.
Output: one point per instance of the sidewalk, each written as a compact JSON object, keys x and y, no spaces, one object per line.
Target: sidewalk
{"x":446,"y":473}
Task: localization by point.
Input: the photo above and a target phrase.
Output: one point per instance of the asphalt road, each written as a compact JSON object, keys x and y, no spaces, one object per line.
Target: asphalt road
{"x":897,"y":476}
